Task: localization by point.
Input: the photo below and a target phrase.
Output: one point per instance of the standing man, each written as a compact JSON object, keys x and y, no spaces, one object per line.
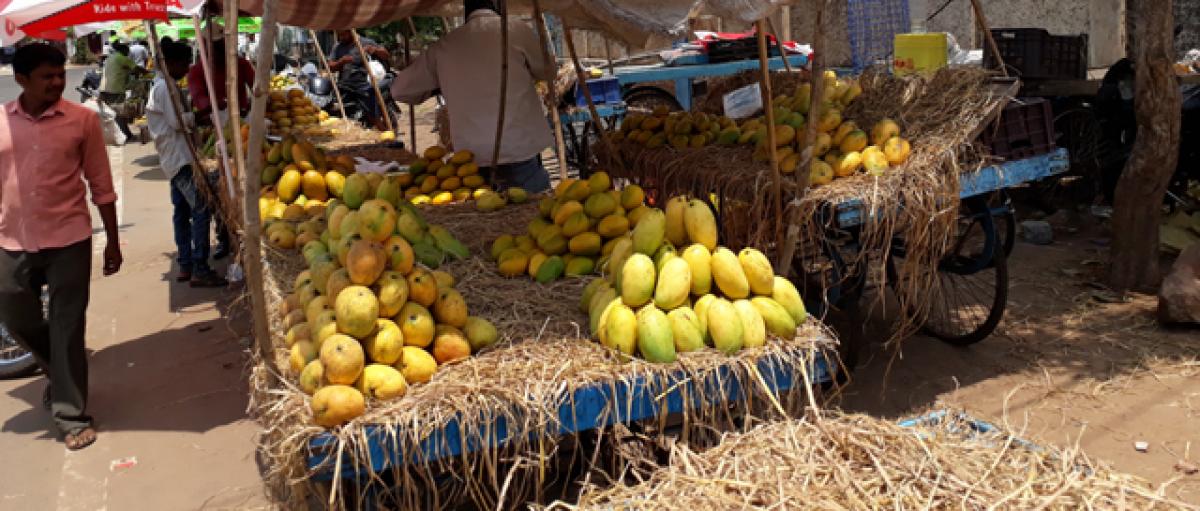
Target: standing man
{"x":352,"y":73}
{"x":465,"y":65}
{"x":117,"y":68}
{"x":48,"y":149}
{"x":192,"y":216}
{"x":139,"y":53}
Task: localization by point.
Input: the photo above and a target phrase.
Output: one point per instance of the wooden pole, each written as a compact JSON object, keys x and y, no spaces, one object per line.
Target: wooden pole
{"x":387,"y":117}
{"x":582,"y":77}
{"x":203,"y":45}
{"x":787,"y":66}
{"x":608,"y":55}
{"x":232,"y":102}
{"x":765,"y":68}
{"x":560,"y":145}
{"x":804,"y":170}
{"x":495,"y":162}
{"x":987,"y":35}
{"x":412,"y":110}
{"x":329,"y":71}
{"x":252,"y":255}
{"x":785,"y":20}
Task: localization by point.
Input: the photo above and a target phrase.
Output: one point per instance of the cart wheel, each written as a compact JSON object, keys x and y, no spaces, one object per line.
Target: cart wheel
{"x":972,"y":291}
{"x":645,"y":97}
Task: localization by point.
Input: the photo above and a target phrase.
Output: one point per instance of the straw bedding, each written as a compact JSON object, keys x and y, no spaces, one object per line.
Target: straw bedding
{"x":543,"y":357}
{"x":941,"y":115}
{"x":845,"y":461}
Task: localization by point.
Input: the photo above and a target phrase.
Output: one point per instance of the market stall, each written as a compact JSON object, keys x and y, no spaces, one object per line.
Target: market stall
{"x":499,"y":380}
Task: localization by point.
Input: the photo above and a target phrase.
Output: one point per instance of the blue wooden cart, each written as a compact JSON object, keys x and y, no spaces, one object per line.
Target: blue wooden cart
{"x":974,"y":274}
{"x":589,"y":408}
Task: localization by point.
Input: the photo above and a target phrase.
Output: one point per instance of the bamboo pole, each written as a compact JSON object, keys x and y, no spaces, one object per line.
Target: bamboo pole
{"x":325,"y":64}
{"x":203,"y":44}
{"x":787,"y":66}
{"x":387,"y":117}
{"x":495,"y":162}
{"x":560,"y":145}
{"x":412,"y":110}
{"x":232,"y":95}
{"x":252,"y":254}
{"x":987,"y":35}
{"x":804,"y":170}
{"x":765,"y":69}
{"x":582,"y":78}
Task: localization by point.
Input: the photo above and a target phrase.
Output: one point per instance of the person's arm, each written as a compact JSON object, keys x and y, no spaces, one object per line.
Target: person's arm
{"x":98,"y":174}
{"x":381,"y":54}
{"x":542,"y":68}
{"x":416,"y":82}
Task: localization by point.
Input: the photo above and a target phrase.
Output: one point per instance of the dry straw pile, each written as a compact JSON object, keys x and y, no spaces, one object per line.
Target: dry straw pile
{"x":941,"y":115}
{"x":544,"y":358}
{"x":860,"y":462}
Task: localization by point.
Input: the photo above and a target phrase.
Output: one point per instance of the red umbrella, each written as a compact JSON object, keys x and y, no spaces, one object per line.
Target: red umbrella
{"x":91,"y":11}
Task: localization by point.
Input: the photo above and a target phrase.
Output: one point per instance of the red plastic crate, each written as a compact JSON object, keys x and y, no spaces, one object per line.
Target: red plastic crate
{"x":1025,"y":129}
{"x":1035,"y":53}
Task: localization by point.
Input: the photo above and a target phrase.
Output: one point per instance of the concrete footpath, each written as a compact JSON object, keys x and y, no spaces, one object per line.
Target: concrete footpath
{"x":168,"y":384}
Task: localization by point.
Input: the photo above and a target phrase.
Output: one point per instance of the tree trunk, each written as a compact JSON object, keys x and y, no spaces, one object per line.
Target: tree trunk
{"x":1138,"y":201}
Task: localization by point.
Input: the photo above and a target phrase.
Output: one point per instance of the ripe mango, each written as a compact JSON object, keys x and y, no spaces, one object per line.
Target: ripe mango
{"x":729,"y":275}
{"x":392,"y":290}
{"x":365,"y":261}
{"x":385,"y":344}
{"x":620,"y":329}
{"x":338,"y":280}
{"x":565,"y":210}
{"x":587,"y":244}
{"x":289,"y":185}
{"x":699,"y":261}
{"x":724,"y":325}
{"x":600,"y":304}
{"x":416,"y":324}
{"x":461,"y":157}
{"x":450,"y":308}
{"x":636,"y":214}
{"x":674,"y":284}
{"x":701,"y":308}
{"x":552,"y":242}
{"x":758,"y":271}
{"x":649,"y":232}
{"x":481,"y":333}
{"x":590,"y":291}
{"x":655,"y":339}
{"x":599,"y":205}
{"x":754,"y":330}
{"x":599,"y":182}
{"x":637,"y":280}
{"x":700,"y":224}
{"x":676,"y":232}
{"x":896,"y":150}
{"x":500,"y":244}
{"x":843,"y":130}
{"x":778,"y":321}
{"x":883,"y":131}
{"x":356,"y":309}
{"x":575,"y":224}
{"x":579,"y":266}
{"x":853,"y":142}
{"x":632,"y":196}
{"x":579,"y":191}
{"x":622,"y":249}
{"x":416,"y":364}
{"x":513,"y":262}
{"x":612,"y":226}
{"x":786,"y":295}
{"x":355,"y":191}
{"x":685,"y":330}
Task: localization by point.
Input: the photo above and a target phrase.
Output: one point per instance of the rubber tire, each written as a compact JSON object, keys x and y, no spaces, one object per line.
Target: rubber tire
{"x":18,"y":367}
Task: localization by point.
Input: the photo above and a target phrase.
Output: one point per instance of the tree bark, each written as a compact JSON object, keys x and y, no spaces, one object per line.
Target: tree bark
{"x":1137,"y":204}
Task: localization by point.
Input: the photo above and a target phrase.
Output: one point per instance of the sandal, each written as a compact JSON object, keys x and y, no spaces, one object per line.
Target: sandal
{"x":80,"y":438}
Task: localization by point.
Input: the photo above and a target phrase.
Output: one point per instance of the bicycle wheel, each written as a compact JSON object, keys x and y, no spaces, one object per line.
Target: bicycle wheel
{"x":970,"y":290}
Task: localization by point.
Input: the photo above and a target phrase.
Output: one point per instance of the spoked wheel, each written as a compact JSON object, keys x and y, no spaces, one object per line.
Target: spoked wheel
{"x":645,"y":98}
{"x":15,"y":361}
{"x":971,"y":288}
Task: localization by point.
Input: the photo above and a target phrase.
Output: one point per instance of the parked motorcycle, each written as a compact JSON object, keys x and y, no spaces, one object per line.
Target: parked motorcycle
{"x":16,"y":361}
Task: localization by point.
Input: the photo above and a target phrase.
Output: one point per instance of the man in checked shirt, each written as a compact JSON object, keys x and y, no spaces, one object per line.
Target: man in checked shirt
{"x":49,"y":147}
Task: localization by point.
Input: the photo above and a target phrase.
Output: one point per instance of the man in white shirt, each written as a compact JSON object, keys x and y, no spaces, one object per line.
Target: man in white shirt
{"x":465,"y":66}
{"x":192,"y":216}
{"x":139,"y":53}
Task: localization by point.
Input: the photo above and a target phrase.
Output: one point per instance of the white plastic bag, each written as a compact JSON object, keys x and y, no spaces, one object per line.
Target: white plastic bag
{"x":108,"y":122}
{"x":743,"y":102}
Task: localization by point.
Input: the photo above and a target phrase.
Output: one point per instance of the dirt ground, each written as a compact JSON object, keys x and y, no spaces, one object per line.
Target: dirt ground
{"x":169,"y":392}
{"x":1066,"y":367}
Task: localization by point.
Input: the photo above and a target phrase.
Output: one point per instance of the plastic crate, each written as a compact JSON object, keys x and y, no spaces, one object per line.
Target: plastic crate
{"x":1025,"y":129}
{"x":605,"y":91}
{"x":737,"y":49}
{"x":1035,"y":53}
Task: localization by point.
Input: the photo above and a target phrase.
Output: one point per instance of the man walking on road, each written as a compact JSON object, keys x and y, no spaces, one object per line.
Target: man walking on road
{"x":48,"y":149}
{"x":192,"y":215}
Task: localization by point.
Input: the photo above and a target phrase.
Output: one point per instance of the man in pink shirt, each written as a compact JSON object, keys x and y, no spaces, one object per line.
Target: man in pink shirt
{"x":48,"y":149}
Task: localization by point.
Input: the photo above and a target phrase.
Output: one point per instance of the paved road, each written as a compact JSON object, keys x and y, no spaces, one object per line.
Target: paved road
{"x":9,"y":90}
